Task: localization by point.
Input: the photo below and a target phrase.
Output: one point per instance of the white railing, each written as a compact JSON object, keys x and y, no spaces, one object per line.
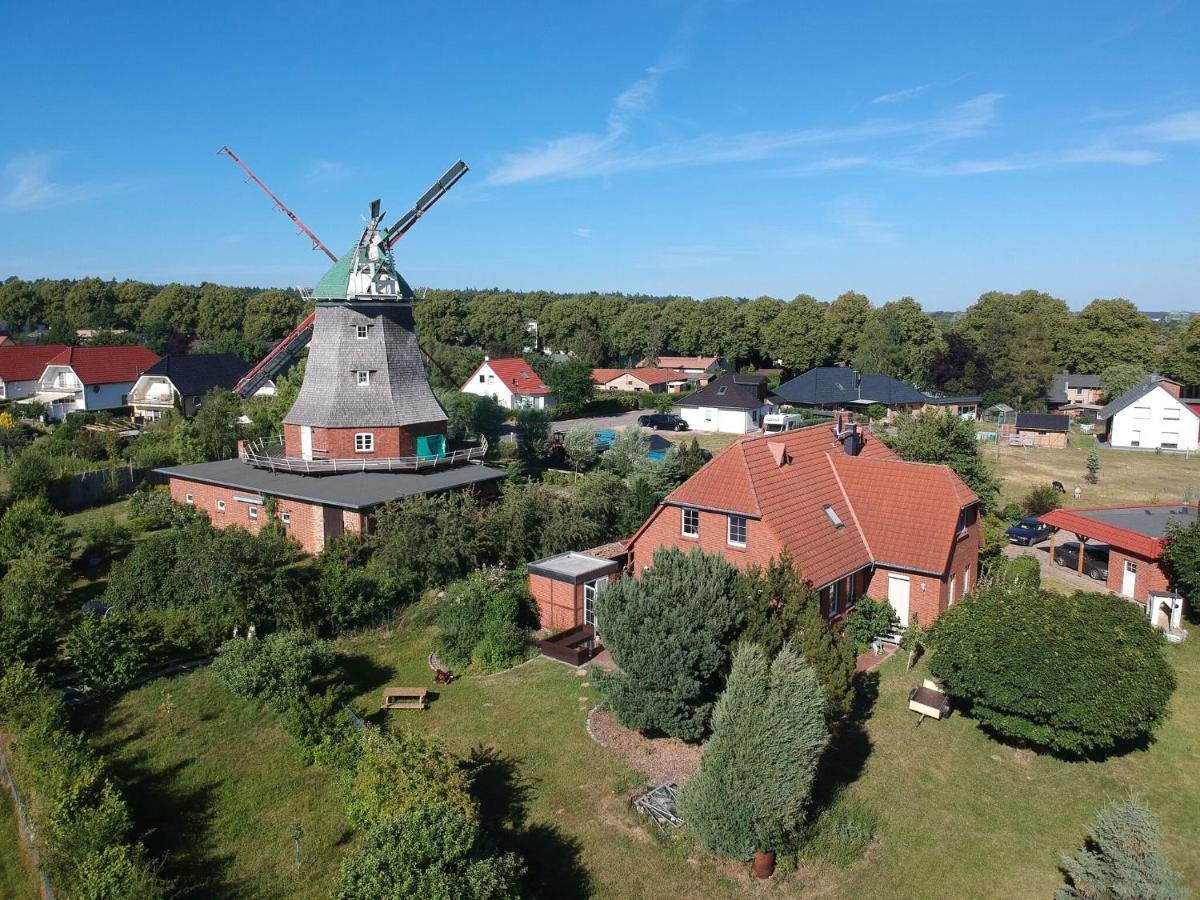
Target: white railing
{"x":267,"y":453}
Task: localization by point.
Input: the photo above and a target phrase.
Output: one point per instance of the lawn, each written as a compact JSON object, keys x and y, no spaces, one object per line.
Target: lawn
{"x":962,"y":815}
{"x":1125,"y":476}
{"x":17,"y":881}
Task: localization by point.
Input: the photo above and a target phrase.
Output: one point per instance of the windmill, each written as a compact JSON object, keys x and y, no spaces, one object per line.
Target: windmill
{"x":366,"y":271}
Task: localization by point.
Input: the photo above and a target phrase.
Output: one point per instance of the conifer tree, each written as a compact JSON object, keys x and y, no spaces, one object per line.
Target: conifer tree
{"x":669,"y":631}
{"x":756,"y":775}
{"x":1122,"y":857}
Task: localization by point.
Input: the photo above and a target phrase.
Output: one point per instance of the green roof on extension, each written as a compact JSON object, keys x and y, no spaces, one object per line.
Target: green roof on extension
{"x":333,"y":284}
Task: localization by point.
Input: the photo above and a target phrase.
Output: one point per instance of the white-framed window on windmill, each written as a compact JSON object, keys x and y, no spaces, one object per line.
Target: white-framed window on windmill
{"x":364,"y":442}
{"x":360,"y":332}
{"x":252,"y":512}
{"x":363,"y":376}
{"x":189,"y":499}
{"x":285,"y":518}
{"x":220,"y":506}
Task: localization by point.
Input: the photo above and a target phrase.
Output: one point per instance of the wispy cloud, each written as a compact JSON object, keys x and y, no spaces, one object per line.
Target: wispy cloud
{"x":583,"y":232}
{"x":856,"y":217}
{"x":902,"y":95}
{"x":26,"y":185}
{"x":328,"y":170}
{"x":1183,"y":127}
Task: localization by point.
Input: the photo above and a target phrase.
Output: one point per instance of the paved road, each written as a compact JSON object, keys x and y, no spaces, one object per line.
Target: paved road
{"x":614,"y":423}
{"x":1041,"y":552}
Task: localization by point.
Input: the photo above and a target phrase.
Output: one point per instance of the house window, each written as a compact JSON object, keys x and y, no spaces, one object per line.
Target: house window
{"x":364,"y":376}
{"x":835,"y":598}
{"x":364,"y":442}
{"x":220,"y":506}
{"x":360,"y":332}
{"x":737,"y":531}
{"x":831,"y":514}
{"x":189,"y":499}
{"x":1141,"y":412}
{"x":482,"y":379}
{"x":1171,"y":413}
{"x":252,"y":512}
{"x":1170,"y":440}
{"x":591,"y":590}
{"x":691,"y":523}
{"x":491,"y":379}
{"x":286,"y":518}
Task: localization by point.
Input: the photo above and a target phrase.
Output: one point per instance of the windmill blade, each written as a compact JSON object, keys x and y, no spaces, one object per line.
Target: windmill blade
{"x":317,"y":245}
{"x":430,"y":197}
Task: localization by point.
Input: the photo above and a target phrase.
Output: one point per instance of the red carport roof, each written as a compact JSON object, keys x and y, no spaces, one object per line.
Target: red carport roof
{"x":1078,"y":522}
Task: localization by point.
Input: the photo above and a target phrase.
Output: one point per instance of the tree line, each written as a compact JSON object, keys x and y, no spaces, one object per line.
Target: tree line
{"x":1004,"y":346}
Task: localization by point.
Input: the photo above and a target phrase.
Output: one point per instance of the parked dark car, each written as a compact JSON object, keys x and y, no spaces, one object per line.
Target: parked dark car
{"x":663,"y":422}
{"x":1028,"y":531}
{"x":1095,"y":559}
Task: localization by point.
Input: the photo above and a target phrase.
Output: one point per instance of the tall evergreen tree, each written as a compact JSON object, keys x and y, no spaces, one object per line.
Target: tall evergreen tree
{"x":756,"y":775}
{"x":669,"y":632}
{"x":1121,"y":858}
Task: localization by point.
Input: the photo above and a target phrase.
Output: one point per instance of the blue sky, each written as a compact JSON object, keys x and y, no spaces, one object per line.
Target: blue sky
{"x":934,"y":149}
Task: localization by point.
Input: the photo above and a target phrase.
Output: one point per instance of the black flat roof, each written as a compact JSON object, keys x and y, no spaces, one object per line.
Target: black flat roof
{"x":1151,"y":521}
{"x":354,"y":490}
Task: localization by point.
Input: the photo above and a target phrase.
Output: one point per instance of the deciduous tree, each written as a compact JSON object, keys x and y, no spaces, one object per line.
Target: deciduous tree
{"x":900,"y":340}
{"x":932,"y":436}
{"x":1107,"y":332}
{"x":1182,"y":358}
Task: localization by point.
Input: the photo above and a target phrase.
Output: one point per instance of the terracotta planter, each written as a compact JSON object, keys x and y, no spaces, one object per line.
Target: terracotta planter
{"x":764,"y":864}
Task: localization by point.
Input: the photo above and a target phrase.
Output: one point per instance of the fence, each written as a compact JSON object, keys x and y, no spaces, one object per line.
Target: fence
{"x":99,"y":486}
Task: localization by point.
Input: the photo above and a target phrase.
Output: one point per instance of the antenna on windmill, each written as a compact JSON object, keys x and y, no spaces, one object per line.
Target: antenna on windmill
{"x":433,"y":195}
{"x":317,"y":245}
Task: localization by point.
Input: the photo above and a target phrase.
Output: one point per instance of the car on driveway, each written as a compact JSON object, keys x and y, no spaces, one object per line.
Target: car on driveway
{"x":663,"y":422}
{"x":1028,"y":531}
{"x":1095,"y":559}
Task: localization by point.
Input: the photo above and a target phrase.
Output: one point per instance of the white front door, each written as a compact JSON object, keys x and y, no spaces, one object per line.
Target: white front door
{"x":1129,"y":579}
{"x":898,"y":595}
{"x":591,"y":590}
{"x":306,"y":442}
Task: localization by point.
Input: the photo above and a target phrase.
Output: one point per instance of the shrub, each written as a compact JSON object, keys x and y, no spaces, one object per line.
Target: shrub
{"x":1022,"y":570}
{"x":435,"y":852}
{"x":1041,"y":499}
{"x":114,"y":649}
{"x":433,"y":540}
{"x":843,"y":832}
{"x":1182,"y":558}
{"x":350,"y":595}
{"x":402,"y":771}
{"x":533,"y":434}
{"x":30,"y":525}
{"x":275,"y":670}
{"x":482,"y":620}
{"x":757,"y":770}
{"x":30,"y":592}
{"x":869,"y":619}
{"x":101,"y":540}
{"x":119,"y":872}
{"x":666,"y":683}
{"x":323,"y":727}
{"x":32,"y":473}
{"x":1076,"y":675}
{"x":154,"y":509}
{"x":1122,"y":857}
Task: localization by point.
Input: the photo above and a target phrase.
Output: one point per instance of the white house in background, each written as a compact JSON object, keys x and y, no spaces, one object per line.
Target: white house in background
{"x":733,"y":404}
{"x":1152,"y":416}
{"x":21,"y":368}
{"x":91,"y":378}
{"x":511,"y":383}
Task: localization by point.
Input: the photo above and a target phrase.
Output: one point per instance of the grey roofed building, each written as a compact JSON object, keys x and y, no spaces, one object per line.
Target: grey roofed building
{"x":196,"y":374}
{"x":1043,"y":422}
{"x":1057,"y":392}
{"x":573,"y":567}
{"x":730,"y":391}
{"x":827,"y":386}
{"x":397,"y":391}
{"x":1137,"y":392}
{"x":1151,"y":521}
{"x":361,"y":491}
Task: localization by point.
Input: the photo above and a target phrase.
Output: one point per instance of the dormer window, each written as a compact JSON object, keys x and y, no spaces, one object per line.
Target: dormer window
{"x":363,"y":376}
{"x":721,"y":390}
{"x":831,"y":514}
{"x":360,"y":332}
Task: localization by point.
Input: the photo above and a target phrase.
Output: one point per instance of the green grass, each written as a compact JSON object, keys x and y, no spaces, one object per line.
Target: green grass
{"x":117,"y":511}
{"x":17,"y":880}
{"x":961,"y":814}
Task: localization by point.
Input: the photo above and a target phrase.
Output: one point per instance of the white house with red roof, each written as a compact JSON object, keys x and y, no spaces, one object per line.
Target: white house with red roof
{"x":856,"y":519}
{"x":510,"y":382}
{"x":21,"y":368}
{"x":91,"y":378}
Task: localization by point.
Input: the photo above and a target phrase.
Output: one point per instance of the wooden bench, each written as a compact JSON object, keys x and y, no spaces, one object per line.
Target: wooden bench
{"x":403,"y":698}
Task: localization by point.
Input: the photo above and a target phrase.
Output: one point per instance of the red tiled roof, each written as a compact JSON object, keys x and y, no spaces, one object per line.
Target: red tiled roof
{"x":646,"y":374}
{"x":517,"y":376}
{"x":894,"y":512}
{"x":106,"y":365}
{"x":26,"y":362}
{"x":1075,"y":521}
{"x":684,"y":362}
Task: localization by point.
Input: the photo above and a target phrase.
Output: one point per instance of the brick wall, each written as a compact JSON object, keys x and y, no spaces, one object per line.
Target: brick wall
{"x":1054,"y":439}
{"x":307,"y":524}
{"x":664,"y":531}
{"x":1150,"y":575}
{"x":560,"y":605}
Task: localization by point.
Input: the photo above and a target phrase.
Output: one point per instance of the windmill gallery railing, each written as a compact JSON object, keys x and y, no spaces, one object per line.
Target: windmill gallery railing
{"x":268,"y":453}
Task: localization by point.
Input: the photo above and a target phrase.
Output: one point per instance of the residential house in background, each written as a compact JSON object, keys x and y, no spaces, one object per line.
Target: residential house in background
{"x":651,"y":380}
{"x":1041,"y":430}
{"x":21,"y":368}
{"x":510,"y":382}
{"x":1152,"y":416}
{"x":92,"y":378}
{"x":845,"y":388}
{"x":856,"y":519}
{"x":1069,"y":394}
{"x":181,"y":381}
{"x":732,"y":403}
{"x":1136,"y":538}
{"x":698,"y":366}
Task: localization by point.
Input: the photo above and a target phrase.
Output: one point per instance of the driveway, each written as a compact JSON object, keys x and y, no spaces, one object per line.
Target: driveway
{"x":1041,"y":552}
{"x":612,"y":423}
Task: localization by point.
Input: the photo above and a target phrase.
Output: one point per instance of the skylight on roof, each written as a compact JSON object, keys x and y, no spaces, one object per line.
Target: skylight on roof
{"x":721,"y":390}
{"x":831,"y":514}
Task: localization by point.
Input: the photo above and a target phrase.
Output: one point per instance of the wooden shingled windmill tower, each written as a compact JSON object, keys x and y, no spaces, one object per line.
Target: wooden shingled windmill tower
{"x":365,"y":403}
